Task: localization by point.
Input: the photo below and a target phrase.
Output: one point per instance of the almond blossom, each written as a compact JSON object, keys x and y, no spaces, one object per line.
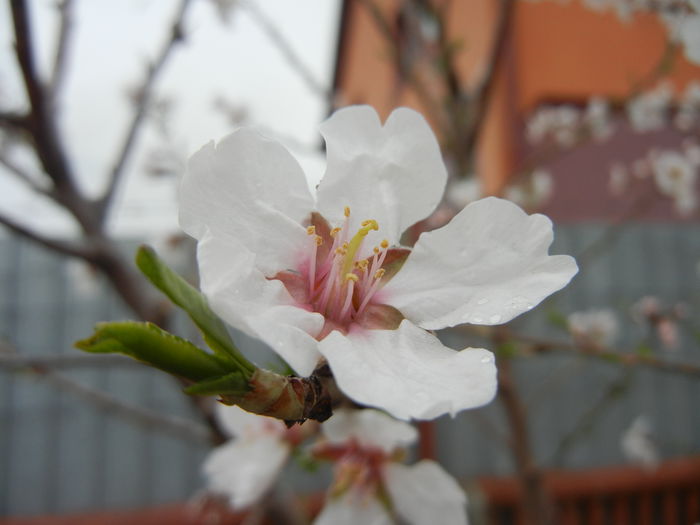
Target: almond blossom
{"x":676,"y":177}
{"x":245,"y":468}
{"x":372,"y":486}
{"x":328,"y":278}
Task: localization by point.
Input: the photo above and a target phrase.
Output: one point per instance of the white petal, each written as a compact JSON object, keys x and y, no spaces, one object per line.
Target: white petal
{"x":239,"y":423}
{"x":408,"y":372}
{"x":244,"y":469}
{"x":251,"y":189}
{"x":488,"y":265}
{"x":424,"y":494}
{"x":241,"y":295}
{"x":393,"y":174}
{"x":352,"y":509}
{"x":370,"y":428}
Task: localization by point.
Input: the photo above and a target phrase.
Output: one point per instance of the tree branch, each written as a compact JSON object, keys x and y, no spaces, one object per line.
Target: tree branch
{"x":285,"y":48}
{"x":23,"y":176}
{"x":65,"y":9}
{"x":66,"y":248}
{"x":145,"y":96}
{"x":479,"y":99}
{"x":40,"y":120}
{"x":538,"y":345}
{"x":535,"y":500}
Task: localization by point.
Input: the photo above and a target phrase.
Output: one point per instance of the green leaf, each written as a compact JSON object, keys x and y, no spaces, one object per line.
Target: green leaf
{"x":234,"y":384}
{"x":150,"y":344}
{"x":191,"y":301}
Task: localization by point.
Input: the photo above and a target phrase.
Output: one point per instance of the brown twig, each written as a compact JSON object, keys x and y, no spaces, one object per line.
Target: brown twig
{"x":480,"y":97}
{"x":19,"y":362}
{"x":71,"y":249}
{"x":286,"y":49}
{"x":539,"y":345}
{"x":536,"y":505}
{"x":144,"y":98}
{"x":65,"y":9}
{"x":24,"y":176}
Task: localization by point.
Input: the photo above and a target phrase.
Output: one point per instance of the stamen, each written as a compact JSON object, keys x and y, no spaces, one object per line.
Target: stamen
{"x":379,"y":273}
{"x":351,"y":279}
{"x":335,"y":232}
{"x":311,"y":230}
{"x":384,"y":244}
{"x":356,"y":242}
{"x":319,"y":240}
{"x":347,"y":211}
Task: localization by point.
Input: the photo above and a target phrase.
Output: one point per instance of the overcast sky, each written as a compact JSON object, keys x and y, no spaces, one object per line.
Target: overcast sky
{"x":110,"y":48}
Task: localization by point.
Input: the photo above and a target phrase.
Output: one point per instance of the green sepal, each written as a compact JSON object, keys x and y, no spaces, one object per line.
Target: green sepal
{"x":154,"y":346}
{"x":233,"y":384}
{"x":191,"y":301}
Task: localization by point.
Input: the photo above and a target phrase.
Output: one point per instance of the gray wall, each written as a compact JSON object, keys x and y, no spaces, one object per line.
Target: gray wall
{"x":61,"y":454}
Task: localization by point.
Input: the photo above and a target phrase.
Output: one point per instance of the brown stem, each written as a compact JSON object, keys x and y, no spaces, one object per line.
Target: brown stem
{"x":536,"y":504}
{"x":145,"y":96}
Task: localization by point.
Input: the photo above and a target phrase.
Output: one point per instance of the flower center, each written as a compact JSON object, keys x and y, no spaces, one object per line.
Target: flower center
{"x":341,"y":284}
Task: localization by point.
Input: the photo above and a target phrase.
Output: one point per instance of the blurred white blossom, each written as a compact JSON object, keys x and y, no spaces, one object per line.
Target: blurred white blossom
{"x":638,"y":444}
{"x":676,"y":177}
{"x":598,"y":327}
{"x":371,"y":485}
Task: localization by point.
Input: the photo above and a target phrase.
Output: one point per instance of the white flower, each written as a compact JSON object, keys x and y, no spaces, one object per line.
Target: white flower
{"x":316,"y":279}
{"x":675,"y":176}
{"x":533,"y":191}
{"x":246,"y":467}
{"x":638,"y":444}
{"x":597,"y":118}
{"x":364,"y":443}
{"x":648,"y":111}
{"x":594,"y":326}
{"x":689,"y":31}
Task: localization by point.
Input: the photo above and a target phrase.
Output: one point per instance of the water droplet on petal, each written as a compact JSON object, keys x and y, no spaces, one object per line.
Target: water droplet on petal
{"x":482,"y":301}
{"x":495,"y":318}
{"x":487,"y":359}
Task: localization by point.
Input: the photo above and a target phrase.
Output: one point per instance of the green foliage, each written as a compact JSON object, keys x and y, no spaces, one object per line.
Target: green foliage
{"x":233,"y":384}
{"x":193,"y":302}
{"x":150,"y":344}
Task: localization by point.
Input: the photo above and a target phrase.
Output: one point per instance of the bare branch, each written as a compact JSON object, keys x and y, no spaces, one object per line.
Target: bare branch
{"x":412,"y":78}
{"x":66,"y":248}
{"x":18,"y":122}
{"x":145,"y":96}
{"x":184,"y":428}
{"x":285,"y":48}
{"x":65,"y":8}
{"x":13,"y":361}
{"x":40,"y":120}
{"x":481,"y":95}
{"x":538,"y":345}
{"x":24,"y":176}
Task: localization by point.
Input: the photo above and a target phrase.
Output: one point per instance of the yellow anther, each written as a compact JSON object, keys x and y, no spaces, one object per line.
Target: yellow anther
{"x":347,"y":211}
{"x":355,"y":242}
{"x":351,"y":277}
{"x":345,"y":246}
{"x":319,"y":240}
{"x":335,"y":231}
{"x":384,"y":244}
{"x":379,"y":273}
{"x":375,"y":250}
{"x":311,"y":230}
{"x":361,"y":265}
{"x":340,"y":251}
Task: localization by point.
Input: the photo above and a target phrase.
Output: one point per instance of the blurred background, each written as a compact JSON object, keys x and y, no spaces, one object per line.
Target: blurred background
{"x":585,"y":110}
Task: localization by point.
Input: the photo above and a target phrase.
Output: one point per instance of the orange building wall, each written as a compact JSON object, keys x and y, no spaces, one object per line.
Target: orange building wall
{"x":555,"y":52}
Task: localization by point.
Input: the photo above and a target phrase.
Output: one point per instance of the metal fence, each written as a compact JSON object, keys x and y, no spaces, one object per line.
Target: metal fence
{"x":59,"y":453}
